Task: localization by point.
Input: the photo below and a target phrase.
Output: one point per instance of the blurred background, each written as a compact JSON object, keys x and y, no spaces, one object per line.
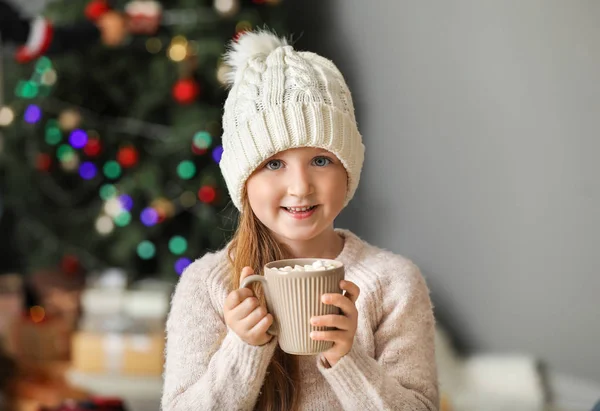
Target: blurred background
{"x":480,"y":122}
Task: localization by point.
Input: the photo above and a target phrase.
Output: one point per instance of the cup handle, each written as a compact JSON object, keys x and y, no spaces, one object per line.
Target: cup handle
{"x":273,"y":329}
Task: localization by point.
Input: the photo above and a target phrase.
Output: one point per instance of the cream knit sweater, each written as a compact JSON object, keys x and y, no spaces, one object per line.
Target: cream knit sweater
{"x":391,"y":365}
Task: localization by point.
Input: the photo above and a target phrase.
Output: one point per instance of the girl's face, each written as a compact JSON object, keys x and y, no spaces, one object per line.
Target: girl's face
{"x":298,"y":193}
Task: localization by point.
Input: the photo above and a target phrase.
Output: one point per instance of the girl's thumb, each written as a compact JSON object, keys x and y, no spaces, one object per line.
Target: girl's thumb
{"x":246,"y":272}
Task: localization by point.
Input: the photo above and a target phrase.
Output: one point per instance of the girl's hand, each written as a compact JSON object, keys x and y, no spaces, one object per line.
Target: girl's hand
{"x":245,"y":316}
{"x":346,"y":324}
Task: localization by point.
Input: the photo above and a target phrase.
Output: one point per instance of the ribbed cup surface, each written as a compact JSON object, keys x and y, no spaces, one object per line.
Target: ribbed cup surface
{"x":294,"y":297}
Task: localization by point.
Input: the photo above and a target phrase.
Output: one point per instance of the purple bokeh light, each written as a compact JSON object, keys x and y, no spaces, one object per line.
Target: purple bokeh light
{"x":149,"y":216}
{"x":126,"y":202}
{"x":78,"y":138}
{"x":181,"y":264}
{"x":33,"y":114}
{"x":88,"y":170}
{"x":217,"y":153}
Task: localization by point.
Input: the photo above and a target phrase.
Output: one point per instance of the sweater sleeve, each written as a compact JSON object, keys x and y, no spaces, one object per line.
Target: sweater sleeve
{"x":403,"y":374}
{"x":203,"y":370}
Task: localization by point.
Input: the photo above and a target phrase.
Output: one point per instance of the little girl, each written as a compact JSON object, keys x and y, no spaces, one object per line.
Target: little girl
{"x":292,"y":158}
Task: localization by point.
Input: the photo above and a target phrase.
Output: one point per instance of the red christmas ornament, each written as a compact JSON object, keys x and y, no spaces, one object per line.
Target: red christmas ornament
{"x":207,"y":194}
{"x":43,"y":162}
{"x":35,"y":48}
{"x":107,"y":403}
{"x":144,"y":16}
{"x":92,"y":147}
{"x":70,"y":265}
{"x":162,"y":215}
{"x":185,"y":91}
{"x":198,"y":151}
{"x":96,"y":8}
{"x":127,"y":156}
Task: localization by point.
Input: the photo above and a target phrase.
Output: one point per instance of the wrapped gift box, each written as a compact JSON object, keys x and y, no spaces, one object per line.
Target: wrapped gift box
{"x":38,"y":385}
{"x":141,"y":309}
{"x":8,"y":373}
{"x":39,"y":340}
{"x":45,"y":394}
{"x":92,"y":404}
{"x":140,"y":393}
{"x":59,"y":293}
{"x":118,"y":353}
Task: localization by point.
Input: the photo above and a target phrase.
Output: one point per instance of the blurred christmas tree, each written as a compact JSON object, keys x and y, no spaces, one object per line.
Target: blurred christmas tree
{"x":110,"y":154}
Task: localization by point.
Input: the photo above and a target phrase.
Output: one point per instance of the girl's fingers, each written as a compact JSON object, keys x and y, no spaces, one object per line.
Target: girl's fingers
{"x":351,"y":289}
{"x":341,"y":301}
{"x":335,"y":336}
{"x":262,"y":326}
{"x":338,"y":321}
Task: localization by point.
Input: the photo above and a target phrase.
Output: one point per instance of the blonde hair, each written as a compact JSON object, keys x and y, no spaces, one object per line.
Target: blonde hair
{"x":253,"y":245}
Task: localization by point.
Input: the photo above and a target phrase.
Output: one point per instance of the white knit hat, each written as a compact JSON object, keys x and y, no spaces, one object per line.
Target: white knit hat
{"x":280,"y":99}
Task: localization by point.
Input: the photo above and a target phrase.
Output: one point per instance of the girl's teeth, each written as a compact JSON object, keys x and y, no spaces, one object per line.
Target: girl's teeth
{"x":298,"y":210}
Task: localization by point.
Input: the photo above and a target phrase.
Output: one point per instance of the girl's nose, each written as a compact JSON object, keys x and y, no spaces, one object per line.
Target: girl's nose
{"x":299,"y":183}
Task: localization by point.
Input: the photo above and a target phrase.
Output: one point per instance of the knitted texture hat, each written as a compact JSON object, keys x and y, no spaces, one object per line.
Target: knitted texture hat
{"x":280,"y":99}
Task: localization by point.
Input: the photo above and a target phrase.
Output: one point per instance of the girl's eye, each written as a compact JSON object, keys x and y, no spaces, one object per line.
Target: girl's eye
{"x":274,"y":165}
{"x":322,"y":161}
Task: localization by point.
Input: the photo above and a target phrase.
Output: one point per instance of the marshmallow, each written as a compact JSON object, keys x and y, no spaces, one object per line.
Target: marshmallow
{"x":318,"y":265}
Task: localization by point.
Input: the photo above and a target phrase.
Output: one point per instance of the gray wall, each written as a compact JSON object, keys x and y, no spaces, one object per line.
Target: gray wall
{"x":482,"y":127}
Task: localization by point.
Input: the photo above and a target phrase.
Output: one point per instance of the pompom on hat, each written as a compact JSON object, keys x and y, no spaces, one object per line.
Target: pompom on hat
{"x":280,"y":99}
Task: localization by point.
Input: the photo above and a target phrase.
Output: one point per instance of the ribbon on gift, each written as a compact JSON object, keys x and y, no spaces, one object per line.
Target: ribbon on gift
{"x":114,"y":351}
{"x":116,"y":346}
